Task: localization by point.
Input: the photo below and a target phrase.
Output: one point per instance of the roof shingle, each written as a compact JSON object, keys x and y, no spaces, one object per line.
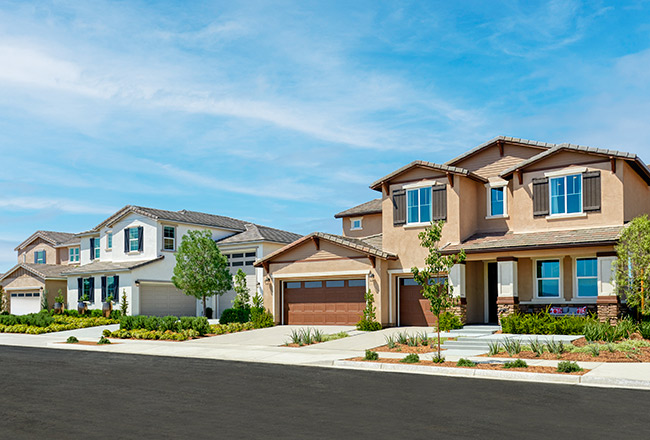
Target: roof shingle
{"x":371,"y":207}
{"x":258,"y":233}
{"x":108,"y":266}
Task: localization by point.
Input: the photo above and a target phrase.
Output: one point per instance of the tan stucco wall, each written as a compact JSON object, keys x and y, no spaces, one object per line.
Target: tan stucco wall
{"x":611,"y":212}
{"x":468,"y":202}
{"x":489,"y":162}
{"x":38,"y":245}
{"x":637,"y":193}
{"x":52,"y":287}
{"x":371,"y":225}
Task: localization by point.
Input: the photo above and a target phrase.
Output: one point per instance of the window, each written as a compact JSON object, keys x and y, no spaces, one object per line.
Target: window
{"x":357,"y":283}
{"x":133,"y":239}
{"x":566,"y":194}
{"x":89,"y":288}
{"x":94,"y":247}
{"x":335,"y":283}
{"x":313,"y":284}
{"x":419,"y":205}
{"x":169,"y":238}
{"x":548,"y":278}
{"x":587,"y":277}
{"x":39,"y":257}
{"x":109,"y":241}
{"x":293,"y":285}
{"x":111,"y":289}
{"x":496,"y":201}
{"x":74,"y":255}
{"x":356,"y":224}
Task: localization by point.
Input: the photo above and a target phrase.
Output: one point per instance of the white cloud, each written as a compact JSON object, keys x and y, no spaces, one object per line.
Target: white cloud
{"x":53,"y":204}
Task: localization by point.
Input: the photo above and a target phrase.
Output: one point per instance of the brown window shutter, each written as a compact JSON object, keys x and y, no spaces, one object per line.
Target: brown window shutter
{"x":591,"y":191}
{"x":399,"y":207}
{"x":439,"y":202}
{"x":540,"y":196}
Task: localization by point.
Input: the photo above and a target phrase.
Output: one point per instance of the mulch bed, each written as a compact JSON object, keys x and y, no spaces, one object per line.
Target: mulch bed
{"x":530,"y":369}
{"x":641,"y":354}
{"x":402,"y":348}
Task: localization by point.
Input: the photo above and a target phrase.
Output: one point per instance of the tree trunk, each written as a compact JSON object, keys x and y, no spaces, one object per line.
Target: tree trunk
{"x":204,"y":307}
{"x":438,"y":328}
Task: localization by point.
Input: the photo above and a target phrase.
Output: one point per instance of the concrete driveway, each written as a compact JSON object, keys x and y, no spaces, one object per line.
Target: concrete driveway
{"x":269,"y":337}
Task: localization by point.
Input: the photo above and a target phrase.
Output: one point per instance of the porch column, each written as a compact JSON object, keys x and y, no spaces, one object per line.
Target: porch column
{"x":608,"y":303}
{"x":458,"y":290}
{"x":508,"y":293}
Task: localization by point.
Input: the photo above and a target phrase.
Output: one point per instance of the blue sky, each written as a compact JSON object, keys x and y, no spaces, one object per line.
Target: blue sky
{"x":282,"y":113}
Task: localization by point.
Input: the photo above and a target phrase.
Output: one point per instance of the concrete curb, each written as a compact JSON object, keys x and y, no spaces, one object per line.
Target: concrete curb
{"x":585,"y":380}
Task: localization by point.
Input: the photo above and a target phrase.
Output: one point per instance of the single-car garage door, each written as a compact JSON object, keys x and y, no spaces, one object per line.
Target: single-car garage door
{"x":165,"y":299}
{"x":413,"y":307}
{"x":335,"y":302}
{"x":24,"y":303}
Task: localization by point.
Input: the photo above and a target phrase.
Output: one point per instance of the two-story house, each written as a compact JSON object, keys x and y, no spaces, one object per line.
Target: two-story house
{"x":41,"y":260}
{"x":133,"y":252}
{"x":537,"y":221}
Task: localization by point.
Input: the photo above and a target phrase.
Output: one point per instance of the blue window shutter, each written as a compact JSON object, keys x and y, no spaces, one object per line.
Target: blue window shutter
{"x":92,"y":249}
{"x":140,"y":238}
{"x":80,"y":288}
{"x":92,"y":289}
{"x":116,"y":288}
{"x":104,"y":295}
{"x":126,"y":240}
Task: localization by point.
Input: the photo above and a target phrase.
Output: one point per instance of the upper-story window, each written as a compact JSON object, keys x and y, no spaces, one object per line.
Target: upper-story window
{"x":74,"y":254}
{"x":566,"y":194}
{"x":94,"y":248}
{"x":134,"y":239}
{"x":356,"y":224}
{"x":169,"y":238}
{"x":497,"y":200}
{"x":418,"y":205}
{"x":109,"y":241}
{"x":39,"y":257}
{"x":241,"y":259}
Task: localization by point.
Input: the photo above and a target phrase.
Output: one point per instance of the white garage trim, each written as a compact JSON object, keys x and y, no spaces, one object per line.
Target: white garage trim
{"x":32,"y":288}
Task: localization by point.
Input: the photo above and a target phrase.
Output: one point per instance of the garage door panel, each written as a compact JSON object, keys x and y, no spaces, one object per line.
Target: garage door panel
{"x":25,"y":303}
{"x":323,"y":305}
{"x":162,"y":300}
{"x":413,"y":308}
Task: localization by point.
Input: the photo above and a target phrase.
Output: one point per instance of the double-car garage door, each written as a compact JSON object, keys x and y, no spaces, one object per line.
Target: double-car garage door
{"x":324,"y":302}
{"x":165,"y":299}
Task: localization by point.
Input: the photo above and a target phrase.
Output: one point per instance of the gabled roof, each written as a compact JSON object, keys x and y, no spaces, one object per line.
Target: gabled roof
{"x":371,"y":207}
{"x":508,"y":241}
{"x":376,"y":185}
{"x":368,"y":247}
{"x":109,"y":266}
{"x":254,"y":233}
{"x":632,"y":159}
{"x":45,"y":271}
{"x":52,"y":237}
{"x":183,"y":216}
{"x":510,"y":140}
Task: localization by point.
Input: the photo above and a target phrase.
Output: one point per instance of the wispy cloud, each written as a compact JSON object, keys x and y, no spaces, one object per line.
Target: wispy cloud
{"x":53,"y":204}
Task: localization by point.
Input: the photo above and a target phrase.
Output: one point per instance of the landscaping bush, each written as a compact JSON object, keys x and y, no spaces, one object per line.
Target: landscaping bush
{"x":368,"y":326}
{"x":44,"y":323}
{"x":261,"y":318}
{"x":465,"y":363}
{"x":568,"y":367}
{"x":199,"y":325}
{"x":235,"y":315}
{"x":517,"y":363}
{"x":103,"y":340}
{"x":72,"y":340}
{"x":371,"y":355}
{"x":543,"y":323}
{"x":233,"y":327}
{"x":411,"y":358}
{"x":40,"y":319}
{"x":449,"y":321}
{"x":369,"y":322}
{"x":644,"y":329}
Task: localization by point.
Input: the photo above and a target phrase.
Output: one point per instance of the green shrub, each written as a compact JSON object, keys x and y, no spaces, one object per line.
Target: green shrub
{"x":368,"y":326}
{"x":235,"y":315}
{"x":390,"y":341}
{"x":40,"y":319}
{"x":594,"y":349}
{"x":556,"y":347}
{"x":465,"y":363}
{"x":411,"y":358}
{"x":103,"y":340}
{"x":494,"y":347}
{"x":261,"y":318}
{"x":512,"y":346}
{"x":543,"y":323}
{"x":201,"y":325}
{"x":449,"y":321}
{"x":371,"y":355}
{"x":537,"y":347}
{"x":568,"y":367}
{"x":437,"y":359}
{"x":644,"y":329}
{"x":369,"y":322}
{"x":106,"y":333}
{"x":170,"y":323}
{"x":72,"y":340}
{"x":115,"y":314}
{"x":96,"y":313}
{"x":517,"y":363}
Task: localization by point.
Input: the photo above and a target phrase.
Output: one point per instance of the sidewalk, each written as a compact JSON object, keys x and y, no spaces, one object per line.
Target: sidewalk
{"x":266,"y":345}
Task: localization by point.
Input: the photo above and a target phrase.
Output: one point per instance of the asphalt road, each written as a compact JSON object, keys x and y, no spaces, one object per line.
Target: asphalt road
{"x":61,"y":394}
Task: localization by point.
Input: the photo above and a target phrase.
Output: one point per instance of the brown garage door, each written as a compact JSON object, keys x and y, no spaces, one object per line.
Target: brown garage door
{"x":413,"y":307}
{"x":338,"y":302}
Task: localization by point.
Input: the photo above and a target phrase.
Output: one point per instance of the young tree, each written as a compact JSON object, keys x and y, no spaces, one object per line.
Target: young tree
{"x":632,"y":265}
{"x":201,"y":270}
{"x":242,"y":298}
{"x":44,"y":304}
{"x":433,"y":278}
{"x":4,"y":303}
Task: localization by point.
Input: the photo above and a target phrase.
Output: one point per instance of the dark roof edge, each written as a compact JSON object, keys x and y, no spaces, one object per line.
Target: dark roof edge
{"x":531,"y":247}
{"x":481,"y":147}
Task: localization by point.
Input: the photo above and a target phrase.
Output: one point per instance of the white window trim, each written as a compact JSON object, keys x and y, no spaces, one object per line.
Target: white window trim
{"x":576,"y":297}
{"x":421,"y":184}
{"x":134,"y":251}
{"x":108,"y":249}
{"x":549,"y":299}
{"x":565,"y":172}
{"x":488,"y":191}
{"x":419,"y":224}
{"x":581,"y":213}
{"x":71,"y":255}
{"x":163,"y":238}
{"x":354,"y":219}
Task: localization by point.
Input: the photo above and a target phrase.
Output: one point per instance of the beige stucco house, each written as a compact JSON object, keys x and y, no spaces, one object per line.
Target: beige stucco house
{"x":41,"y":260}
{"x":538,"y":222}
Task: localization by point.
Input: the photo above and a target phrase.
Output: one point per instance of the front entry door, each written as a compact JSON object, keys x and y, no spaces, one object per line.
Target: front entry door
{"x":493,"y":287}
